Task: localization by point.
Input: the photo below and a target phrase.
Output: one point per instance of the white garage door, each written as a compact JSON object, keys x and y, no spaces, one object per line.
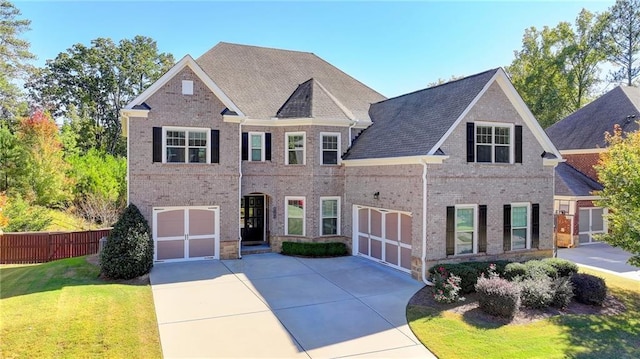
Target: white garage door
{"x":181,"y":233}
{"x":383,"y":235}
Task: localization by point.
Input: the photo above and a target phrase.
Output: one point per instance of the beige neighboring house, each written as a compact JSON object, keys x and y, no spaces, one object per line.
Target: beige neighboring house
{"x":580,"y":139}
{"x":249,"y":145}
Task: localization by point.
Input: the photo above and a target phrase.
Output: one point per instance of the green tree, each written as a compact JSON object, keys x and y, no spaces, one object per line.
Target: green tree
{"x":14,"y":57}
{"x":557,"y":69}
{"x":99,"y":80}
{"x":21,"y":217}
{"x":13,"y":157}
{"x":619,"y":173}
{"x":622,"y":39}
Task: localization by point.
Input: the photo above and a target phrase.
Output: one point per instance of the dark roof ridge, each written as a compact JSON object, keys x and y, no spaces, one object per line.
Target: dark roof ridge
{"x":346,"y":74}
{"x":261,"y":47}
{"x":582,"y":173}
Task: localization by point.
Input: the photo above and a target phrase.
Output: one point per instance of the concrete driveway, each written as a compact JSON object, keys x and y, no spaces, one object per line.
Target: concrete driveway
{"x":270,"y":305}
{"x":602,"y":256}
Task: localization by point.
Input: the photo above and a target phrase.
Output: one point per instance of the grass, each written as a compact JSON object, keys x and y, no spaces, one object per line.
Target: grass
{"x":450,"y":335}
{"x":62,"y":309}
{"x":64,"y":221}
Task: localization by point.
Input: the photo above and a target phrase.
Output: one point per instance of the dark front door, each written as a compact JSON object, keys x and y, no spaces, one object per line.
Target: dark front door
{"x":253,"y":219}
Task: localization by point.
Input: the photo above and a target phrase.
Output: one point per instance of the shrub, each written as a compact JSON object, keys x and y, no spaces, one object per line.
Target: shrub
{"x":538,"y":269}
{"x":589,"y":289}
{"x":128,"y":252}
{"x":514,"y":271}
{"x":21,"y":217}
{"x":468,"y":275}
{"x":562,"y":292}
{"x":565,"y":268}
{"x":446,"y":286}
{"x":312,"y":249}
{"x":498,"y":296}
{"x":536,"y":292}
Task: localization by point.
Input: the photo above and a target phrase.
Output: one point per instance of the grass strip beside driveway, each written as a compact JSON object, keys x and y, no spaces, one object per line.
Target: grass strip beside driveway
{"x":62,"y":309}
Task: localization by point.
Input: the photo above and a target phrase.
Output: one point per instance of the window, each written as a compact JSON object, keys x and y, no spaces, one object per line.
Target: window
{"x":187,"y":87}
{"x":519,"y":226}
{"x":330,"y":148}
{"x":256,"y":146}
{"x":493,"y":144}
{"x":465,"y":236}
{"x":186,"y":145}
{"x":256,"y":141}
{"x":295,"y":148}
{"x":294,"y":216}
{"x":330,"y":211}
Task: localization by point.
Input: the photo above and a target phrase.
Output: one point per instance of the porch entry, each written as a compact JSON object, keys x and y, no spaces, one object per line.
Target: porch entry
{"x":590,"y":223}
{"x":253,"y":219}
{"x":383,"y":235}
{"x":182,"y":233}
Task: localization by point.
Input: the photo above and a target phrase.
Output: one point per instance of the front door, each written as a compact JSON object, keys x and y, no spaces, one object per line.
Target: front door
{"x":590,"y":222}
{"x":253,"y":208}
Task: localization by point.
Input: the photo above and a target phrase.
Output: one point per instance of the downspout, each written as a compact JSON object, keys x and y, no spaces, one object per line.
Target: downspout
{"x":424,"y":223}
{"x":355,"y":122}
{"x":240,"y":185}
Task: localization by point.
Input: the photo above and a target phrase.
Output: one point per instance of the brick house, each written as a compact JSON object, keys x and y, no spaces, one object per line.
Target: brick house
{"x":580,"y":139}
{"x":248,"y":146}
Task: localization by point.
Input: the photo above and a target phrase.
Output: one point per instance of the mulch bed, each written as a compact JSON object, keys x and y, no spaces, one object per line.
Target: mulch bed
{"x":471,"y":311}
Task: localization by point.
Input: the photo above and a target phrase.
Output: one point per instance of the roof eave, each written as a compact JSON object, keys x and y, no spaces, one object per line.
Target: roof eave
{"x":395,"y":161}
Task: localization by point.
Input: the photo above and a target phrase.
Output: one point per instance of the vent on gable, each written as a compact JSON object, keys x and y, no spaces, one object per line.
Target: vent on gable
{"x":187,"y":87}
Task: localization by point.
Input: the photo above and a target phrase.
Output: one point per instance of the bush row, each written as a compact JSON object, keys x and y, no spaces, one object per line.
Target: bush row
{"x":310,"y":249}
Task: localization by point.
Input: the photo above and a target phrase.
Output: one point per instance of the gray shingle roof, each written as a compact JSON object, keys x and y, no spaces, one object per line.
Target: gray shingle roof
{"x":585,"y":128}
{"x":260,"y":80}
{"x":411,"y":124}
{"x":311,"y":99}
{"x":571,"y":182}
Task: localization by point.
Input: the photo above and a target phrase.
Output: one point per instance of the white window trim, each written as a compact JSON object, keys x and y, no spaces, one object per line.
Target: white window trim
{"x":338,"y":150}
{"x":512,"y":137}
{"x":187,"y":87}
{"x":262,"y":147}
{"x":528,"y":242}
{"x":304,"y":147}
{"x":475,"y":228}
{"x":336,"y":198}
{"x":186,"y":130}
{"x":286,"y":214}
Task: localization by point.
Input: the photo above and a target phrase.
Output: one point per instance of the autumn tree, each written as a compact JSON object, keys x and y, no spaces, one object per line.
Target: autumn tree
{"x":98,"y":80}
{"x":622,"y":39}
{"x":619,"y":173}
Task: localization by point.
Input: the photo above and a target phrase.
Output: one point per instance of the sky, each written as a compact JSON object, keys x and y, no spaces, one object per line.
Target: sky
{"x":393,"y":47}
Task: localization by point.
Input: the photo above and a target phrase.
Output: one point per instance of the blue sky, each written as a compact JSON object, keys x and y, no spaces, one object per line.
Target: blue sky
{"x":394,"y":47}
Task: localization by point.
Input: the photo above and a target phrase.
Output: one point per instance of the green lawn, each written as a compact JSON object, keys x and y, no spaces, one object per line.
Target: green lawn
{"x":450,"y":335}
{"x":62,"y":309}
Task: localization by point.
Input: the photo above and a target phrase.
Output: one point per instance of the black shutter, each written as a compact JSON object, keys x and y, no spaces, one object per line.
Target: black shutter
{"x":267,"y":147}
{"x":507,"y":228}
{"x":471,"y":142}
{"x":245,"y":146}
{"x":157,"y":144}
{"x":451,"y":230}
{"x":215,"y":146}
{"x":535,"y":225}
{"x":518,"y":144}
{"x":482,"y":228}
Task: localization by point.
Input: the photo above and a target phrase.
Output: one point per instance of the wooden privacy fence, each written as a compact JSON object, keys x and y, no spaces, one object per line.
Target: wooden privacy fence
{"x":38,"y":247}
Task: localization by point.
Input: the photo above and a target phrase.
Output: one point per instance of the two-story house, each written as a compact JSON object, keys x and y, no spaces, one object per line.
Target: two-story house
{"x":250,"y":145}
{"x":580,"y":139}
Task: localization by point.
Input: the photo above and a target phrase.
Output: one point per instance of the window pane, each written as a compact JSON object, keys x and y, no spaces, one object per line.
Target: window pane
{"x":197,"y":139}
{"x":330,"y":208}
{"x":295,"y":226}
{"x":329,"y":226}
{"x":295,"y":208}
{"x":519,"y":216}
{"x":502,"y":154}
{"x":175,"y":138}
{"x":197,"y":155}
{"x":175,"y":154}
{"x":502,"y":136}
{"x":296,"y":141}
{"x":256,"y":141}
{"x":329,"y":157}
{"x":464,"y":243}
{"x":464,"y":219}
{"x":483,"y":153}
{"x":295,"y":157}
{"x":519,"y":239}
{"x":329,"y":142}
{"x":256,"y":155}
{"x":483,"y":134}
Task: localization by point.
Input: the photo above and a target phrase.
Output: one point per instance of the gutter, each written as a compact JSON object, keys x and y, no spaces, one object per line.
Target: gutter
{"x":424,"y":223}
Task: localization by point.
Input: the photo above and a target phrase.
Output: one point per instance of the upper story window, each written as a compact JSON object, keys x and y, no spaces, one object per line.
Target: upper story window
{"x":186,"y":145}
{"x":187,"y":87}
{"x":295,"y":148}
{"x":256,"y":141}
{"x":330,"y":148}
{"x":256,"y":146}
{"x":494,"y":142}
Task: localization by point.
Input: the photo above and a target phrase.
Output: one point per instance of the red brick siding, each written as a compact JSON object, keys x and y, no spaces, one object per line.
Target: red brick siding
{"x":584,"y":162}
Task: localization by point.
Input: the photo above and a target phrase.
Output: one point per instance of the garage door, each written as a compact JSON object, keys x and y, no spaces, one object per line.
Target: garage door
{"x":182,"y":233}
{"x":383,"y":235}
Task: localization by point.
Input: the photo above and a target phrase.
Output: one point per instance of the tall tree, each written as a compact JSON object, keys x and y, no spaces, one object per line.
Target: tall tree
{"x":14,"y":61}
{"x":623,"y":40}
{"x":13,"y":154}
{"x":99,"y":80}
{"x":619,"y":172}
{"x":557,"y":69}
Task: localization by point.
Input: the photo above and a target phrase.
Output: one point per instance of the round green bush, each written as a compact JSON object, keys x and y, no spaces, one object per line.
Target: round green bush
{"x":536,"y":293}
{"x":589,"y":289}
{"x":515,"y":270}
{"x":537,"y":269}
{"x":128,"y":252}
{"x":497,"y":296}
{"x":562,"y":292}
{"x":565,"y":268}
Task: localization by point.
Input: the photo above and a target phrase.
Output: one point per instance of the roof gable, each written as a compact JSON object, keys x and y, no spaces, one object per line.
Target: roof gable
{"x":311,"y":99}
{"x":585,"y":128}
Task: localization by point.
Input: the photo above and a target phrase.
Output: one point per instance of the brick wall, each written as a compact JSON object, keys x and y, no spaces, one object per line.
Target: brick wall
{"x":584,"y":162}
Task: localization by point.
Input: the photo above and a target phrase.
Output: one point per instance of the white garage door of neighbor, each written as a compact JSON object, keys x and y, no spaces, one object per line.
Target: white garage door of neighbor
{"x":182,"y":233}
{"x":383,"y":235}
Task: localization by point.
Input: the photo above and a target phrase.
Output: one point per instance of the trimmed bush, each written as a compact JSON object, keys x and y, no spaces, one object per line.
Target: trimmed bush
{"x":589,"y":289}
{"x":446,"y":286}
{"x":536,"y":293}
{"x":312,"y":249}
{"x":514,"y":271}
{"x":497,"y":296}
{"x":562,"y":292}
{"x":565,"y":268}
{"x":468,"y":275}
{"x":483,"y":267}
{"x":128,"y":252}
{"x":538,"y":269}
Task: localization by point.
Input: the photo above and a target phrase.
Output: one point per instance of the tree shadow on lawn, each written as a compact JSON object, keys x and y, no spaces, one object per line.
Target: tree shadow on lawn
{"x":55,"y":275}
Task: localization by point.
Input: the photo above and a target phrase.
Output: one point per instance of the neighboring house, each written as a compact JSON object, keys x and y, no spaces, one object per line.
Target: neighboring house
{"x":250,"y":145}
{"x":580,"y":139}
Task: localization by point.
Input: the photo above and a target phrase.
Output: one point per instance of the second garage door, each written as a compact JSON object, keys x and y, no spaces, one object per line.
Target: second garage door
{"x":182,"y":233}
{"x":383,"y":235}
